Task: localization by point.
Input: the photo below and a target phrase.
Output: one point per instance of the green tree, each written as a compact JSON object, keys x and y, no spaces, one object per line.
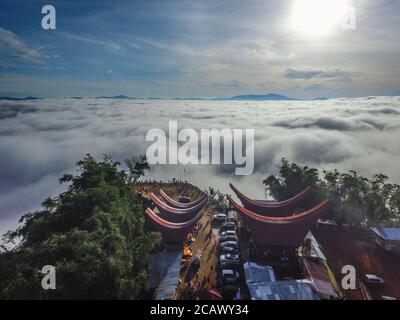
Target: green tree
{"x":93,"y":234}
{"x":217,"y":199}
{"x":356,"y":199}
{"x":292,"y":179}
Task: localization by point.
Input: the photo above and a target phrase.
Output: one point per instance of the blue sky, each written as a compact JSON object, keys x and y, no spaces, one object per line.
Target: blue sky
{"x":207,"y":48}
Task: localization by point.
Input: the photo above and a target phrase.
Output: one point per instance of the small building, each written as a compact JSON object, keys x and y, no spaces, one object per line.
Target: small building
{"x":388,"y":238}
{"x":282,"y":290}
{"x":255,"y":273}
{"x":262,"y":285}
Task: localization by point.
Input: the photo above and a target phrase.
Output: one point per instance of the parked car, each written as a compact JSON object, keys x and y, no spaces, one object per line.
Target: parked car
{"x":228,"y":233}
{"x":219,"y":217}
{"x":230,"y":281}
{"x":228,"y":257}
{"x":228,"y":238}
{"x":229,"y":274}
{"x":228,"y":226}
{"x":229,"y":288}
{"x":371,"y":278}
{"x":229,"y":261}
{"x":234,"y":264}
{"x":231,"y":250}
{"x":225,"y":263}
{"x":232,"y":244}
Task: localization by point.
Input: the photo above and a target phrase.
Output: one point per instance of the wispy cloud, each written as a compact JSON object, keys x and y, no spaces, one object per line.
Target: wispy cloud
{"x":231,"y":84}
{"x":192,"y":48}
{"x":9,"y":41}
{"x":108,"y":44}
{"x":309,"y":74}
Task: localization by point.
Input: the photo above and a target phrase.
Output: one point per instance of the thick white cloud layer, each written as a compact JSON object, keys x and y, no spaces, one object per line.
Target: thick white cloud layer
{"x":41,"y":140}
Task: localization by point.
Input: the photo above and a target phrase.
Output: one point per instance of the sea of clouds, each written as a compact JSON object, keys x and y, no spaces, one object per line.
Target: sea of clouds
{"x":40,"y":140}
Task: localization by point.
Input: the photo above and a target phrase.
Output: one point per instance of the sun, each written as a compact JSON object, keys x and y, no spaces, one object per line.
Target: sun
{"x":317,"y":18}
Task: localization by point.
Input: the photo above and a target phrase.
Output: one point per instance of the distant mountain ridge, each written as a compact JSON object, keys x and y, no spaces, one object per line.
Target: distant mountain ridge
{"x":19,"y":99}
{"x":243,"y":97}
{"x":117,"y":97}
{"x":249,"y":97}
{"x":254,"y":97}
{"x":262,"y":97}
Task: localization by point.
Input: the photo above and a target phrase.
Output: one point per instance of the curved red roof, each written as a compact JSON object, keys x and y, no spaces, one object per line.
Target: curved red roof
{"x":173,"y":232}
{"x":174,"y":214}
{"x":274,"y":208}
{"x":288,"y":231}
{"x":172,"y":203}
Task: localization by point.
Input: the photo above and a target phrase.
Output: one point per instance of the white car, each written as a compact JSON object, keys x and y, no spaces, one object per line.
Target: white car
{"x":229,"y":257}
{"x":228,"y":233}
{"x":228,"y":238}
{"x":229,"y":274}
{"x":230,"y":250}
{"x":220,"y":217}
{"x":228,"y":226}
{"x":231,"y":244}
{"x":371,"y":278}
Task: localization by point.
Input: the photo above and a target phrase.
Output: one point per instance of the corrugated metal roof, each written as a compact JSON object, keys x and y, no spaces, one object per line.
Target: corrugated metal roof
{"x":282,"y":290}
{"x":255,"y":273}
{"x":387,"y":233}
{"x":164,"y":268}
{"x":262,"y":285}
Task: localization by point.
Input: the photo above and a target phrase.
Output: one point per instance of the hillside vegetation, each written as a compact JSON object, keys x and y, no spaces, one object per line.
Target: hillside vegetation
{"x":94,"y":234}
{"x":356,"y":199}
